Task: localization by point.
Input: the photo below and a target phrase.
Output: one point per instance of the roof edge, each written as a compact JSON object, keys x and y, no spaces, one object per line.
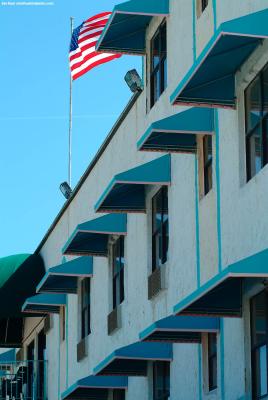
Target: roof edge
{"x":92,"y":164}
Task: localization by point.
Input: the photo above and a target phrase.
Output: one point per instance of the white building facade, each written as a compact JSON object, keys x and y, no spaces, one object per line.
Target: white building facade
{"x":162,"y":246}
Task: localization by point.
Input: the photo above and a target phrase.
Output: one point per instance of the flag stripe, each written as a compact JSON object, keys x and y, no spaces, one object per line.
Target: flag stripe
{"x":83,"y":55}
{"x":78,"y":62}
{"x":87,"y":40}
{"x":90,"y":33}
{"x":94,"y":64}
{"x":85,"y":46}
{"x":98,"y":17}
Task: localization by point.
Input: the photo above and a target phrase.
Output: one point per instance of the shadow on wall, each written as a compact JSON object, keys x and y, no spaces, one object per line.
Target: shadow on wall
{"x":19,"y":276}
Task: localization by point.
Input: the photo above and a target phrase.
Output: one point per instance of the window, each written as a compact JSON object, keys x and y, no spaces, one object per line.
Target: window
{"x":118,"y":394}
{"x":207,"y":155}
{"x":63,"y":323}
{"x":118,"y":272}
{"x":161,"y":380}
{"x":85,"y":308}
{"x":160,"y":228}
{"x":212,"y":361}
{"x":201,"y":5}
{"x":158,"y":63}
{"x":30,"y":368}
{"x":256,"y":101}
{"x":41,"y":349}
{"x":259,"y":344}
{"x":204,"y":4}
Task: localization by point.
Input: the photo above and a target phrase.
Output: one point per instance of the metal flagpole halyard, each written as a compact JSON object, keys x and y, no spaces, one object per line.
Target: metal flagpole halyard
{"x":70,"y":119}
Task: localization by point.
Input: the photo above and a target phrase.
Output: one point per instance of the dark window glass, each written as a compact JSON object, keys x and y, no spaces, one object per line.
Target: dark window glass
{"x":161,"y":380}
{"x":63,"y":323}
{"x":160,"y":233}
{"x":204,"y":4}
{"x":85,"y":308}
{"x":30,"y":369}
{"x":118,"y":394}
{"x":259,"y":343}
{"x":118,"y":272}
{"x":212,"y":361}
{"x":207,"y":150}
{"x":41,"y":365}
{"x":256,"y":100}
{"x":158,"y":63}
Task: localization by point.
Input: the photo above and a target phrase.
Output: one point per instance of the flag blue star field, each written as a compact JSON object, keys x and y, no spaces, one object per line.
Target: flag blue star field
{"x":83,"y":55}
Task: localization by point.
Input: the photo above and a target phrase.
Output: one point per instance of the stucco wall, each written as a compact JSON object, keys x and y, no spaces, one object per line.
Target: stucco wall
{"x":243,"y":225}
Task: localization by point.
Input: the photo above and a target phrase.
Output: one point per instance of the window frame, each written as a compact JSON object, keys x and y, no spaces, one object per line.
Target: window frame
{"x":256,"y":347}
{"x":119,"y":394}
{"x":85,"y":308}
{"x":166,"y":375}
{"x":162,"y":230}
{"x":212,"y":355}
{"x":118,"y":276}
{"x":260,"y":125}
{"x":160,"y":68}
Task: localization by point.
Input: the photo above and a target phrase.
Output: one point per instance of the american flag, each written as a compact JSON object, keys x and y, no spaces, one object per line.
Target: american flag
{"x":83,"y":55}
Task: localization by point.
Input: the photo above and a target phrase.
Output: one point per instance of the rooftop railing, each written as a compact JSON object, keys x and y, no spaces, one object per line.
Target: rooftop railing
{"x":23,"y":380}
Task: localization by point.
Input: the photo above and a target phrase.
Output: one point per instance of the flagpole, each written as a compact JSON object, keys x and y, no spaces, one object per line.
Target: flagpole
{"x":70,"y":120}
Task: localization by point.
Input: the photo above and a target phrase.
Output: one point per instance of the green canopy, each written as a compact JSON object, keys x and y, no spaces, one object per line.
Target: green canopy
{"x":9,"y":265}
{"x":19,"y":275}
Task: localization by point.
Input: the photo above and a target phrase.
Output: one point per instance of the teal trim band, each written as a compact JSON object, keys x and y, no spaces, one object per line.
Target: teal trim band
{"x":200,"y":386}
{"x":218,"y":189}
{"x":215,"y":14}
{"x":222,"y":358}
{"x":143,"y":70}
{"x":197,"y":231}
{"x":198,"y":268}
{"x":67,"y":341}
{"x":194,"y":29}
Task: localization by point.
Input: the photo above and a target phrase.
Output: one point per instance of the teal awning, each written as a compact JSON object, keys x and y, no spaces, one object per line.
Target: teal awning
{"x":179,"y":329}
{"x":23,"y":272}
{"x":64,"y":278}
{"x":178,"y":132}
{"x":91,"y":238}
{"x":211,"y":80}
{"x":126,"y":192}
{"x":126,"y":28}
{"x":8,"y":357}
{"x":222,"y":295}
{"x":95,"y":387}
{"x":44,"y":304}
{"x":132,"y":360}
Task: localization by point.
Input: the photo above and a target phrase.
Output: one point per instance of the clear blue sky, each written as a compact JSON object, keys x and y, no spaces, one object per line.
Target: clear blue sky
{"x":34,"y":97}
